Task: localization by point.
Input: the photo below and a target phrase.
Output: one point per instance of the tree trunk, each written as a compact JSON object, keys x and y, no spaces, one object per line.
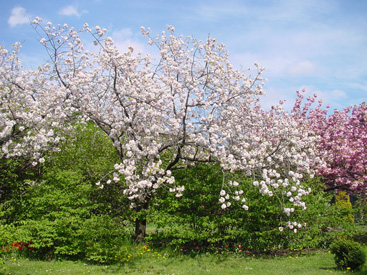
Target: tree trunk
{"x":140,"y":229}
{"x":141,"y":222}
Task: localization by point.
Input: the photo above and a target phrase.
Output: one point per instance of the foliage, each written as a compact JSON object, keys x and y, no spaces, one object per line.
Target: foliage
{"x":348,"y":254}
{"x":88,"y":152}
{"x":360,"y":236}
{"x":56,"y":219}
{"x":59,"y":218}
{"x":325,"y":220}
{"x":194,"y":224}
{"x":361,"y":209}
{"x":342,"y":200}
{"x":63,"y":213}
{"x":15,"y":177}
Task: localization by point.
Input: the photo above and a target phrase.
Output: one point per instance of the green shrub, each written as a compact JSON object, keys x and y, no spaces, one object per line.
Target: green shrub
{"x":360,"y":236}
{"x":342,"y":200}
{"x":196,"y":219}
{"x":62,"y":213}
{"x":348,"y":254}
{"x":360,"y":205}
{"x":58,"y":220}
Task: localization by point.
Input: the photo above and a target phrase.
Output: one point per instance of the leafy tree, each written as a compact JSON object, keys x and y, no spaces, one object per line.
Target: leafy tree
{"x":63,"y":212}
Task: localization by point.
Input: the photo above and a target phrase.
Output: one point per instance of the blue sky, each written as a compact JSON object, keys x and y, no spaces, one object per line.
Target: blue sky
{"x":319,"y":45}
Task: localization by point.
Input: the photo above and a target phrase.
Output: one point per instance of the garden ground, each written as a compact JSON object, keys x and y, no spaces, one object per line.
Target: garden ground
{"x":320,"y":262}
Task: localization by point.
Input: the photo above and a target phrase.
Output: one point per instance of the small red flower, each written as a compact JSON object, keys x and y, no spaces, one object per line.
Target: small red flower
{"x":239,"y":246}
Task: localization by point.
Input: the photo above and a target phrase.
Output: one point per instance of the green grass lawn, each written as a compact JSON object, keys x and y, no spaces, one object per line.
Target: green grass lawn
{"x":315,"y":263}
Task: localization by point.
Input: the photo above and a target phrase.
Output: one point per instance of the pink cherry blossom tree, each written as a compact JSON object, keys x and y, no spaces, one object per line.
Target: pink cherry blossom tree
{"x":342,"y":143}
{"x":344,"y":148}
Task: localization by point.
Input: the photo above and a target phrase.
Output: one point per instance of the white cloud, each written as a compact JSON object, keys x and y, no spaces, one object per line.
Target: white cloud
{"x":18,"y":16}
{"x":360,"y":86}
{"x":122,"y":34}
{"x":291,"y":11}
{"x":71,"y":11}
{"x":252,"y":11}
{"x":302,"y":68}
{"x":123,"y":45}
{"x":274,"y":95}
{"x":277,"y":65}
{"x":125,"y":38}
{"x":336,"y":98}
{"x":215,"y":13}
{"x":338,"y":94}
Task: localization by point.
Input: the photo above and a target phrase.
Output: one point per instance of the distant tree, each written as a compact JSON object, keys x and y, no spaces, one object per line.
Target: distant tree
{"x":342,"y":144}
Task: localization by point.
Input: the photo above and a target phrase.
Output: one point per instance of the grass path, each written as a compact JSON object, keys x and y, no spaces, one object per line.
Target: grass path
{"x":315,"y":264}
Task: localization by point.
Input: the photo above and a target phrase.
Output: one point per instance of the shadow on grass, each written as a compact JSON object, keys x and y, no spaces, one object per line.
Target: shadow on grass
{"x":361,"y":271}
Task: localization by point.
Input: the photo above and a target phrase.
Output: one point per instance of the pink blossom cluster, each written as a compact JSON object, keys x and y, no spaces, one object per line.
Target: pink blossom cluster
{"x":342,"y":143}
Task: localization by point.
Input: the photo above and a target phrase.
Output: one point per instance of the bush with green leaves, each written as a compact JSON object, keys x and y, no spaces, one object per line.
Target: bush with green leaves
{"x":342,"y":200}
{"x":196,"y":219}
{"x":60,"y":218}
{"x":15,"y":176}
{"x":360,"y":204}
{"x":348,"y":254}
{"x":325,"y":219}
{"x":63,"y":213}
